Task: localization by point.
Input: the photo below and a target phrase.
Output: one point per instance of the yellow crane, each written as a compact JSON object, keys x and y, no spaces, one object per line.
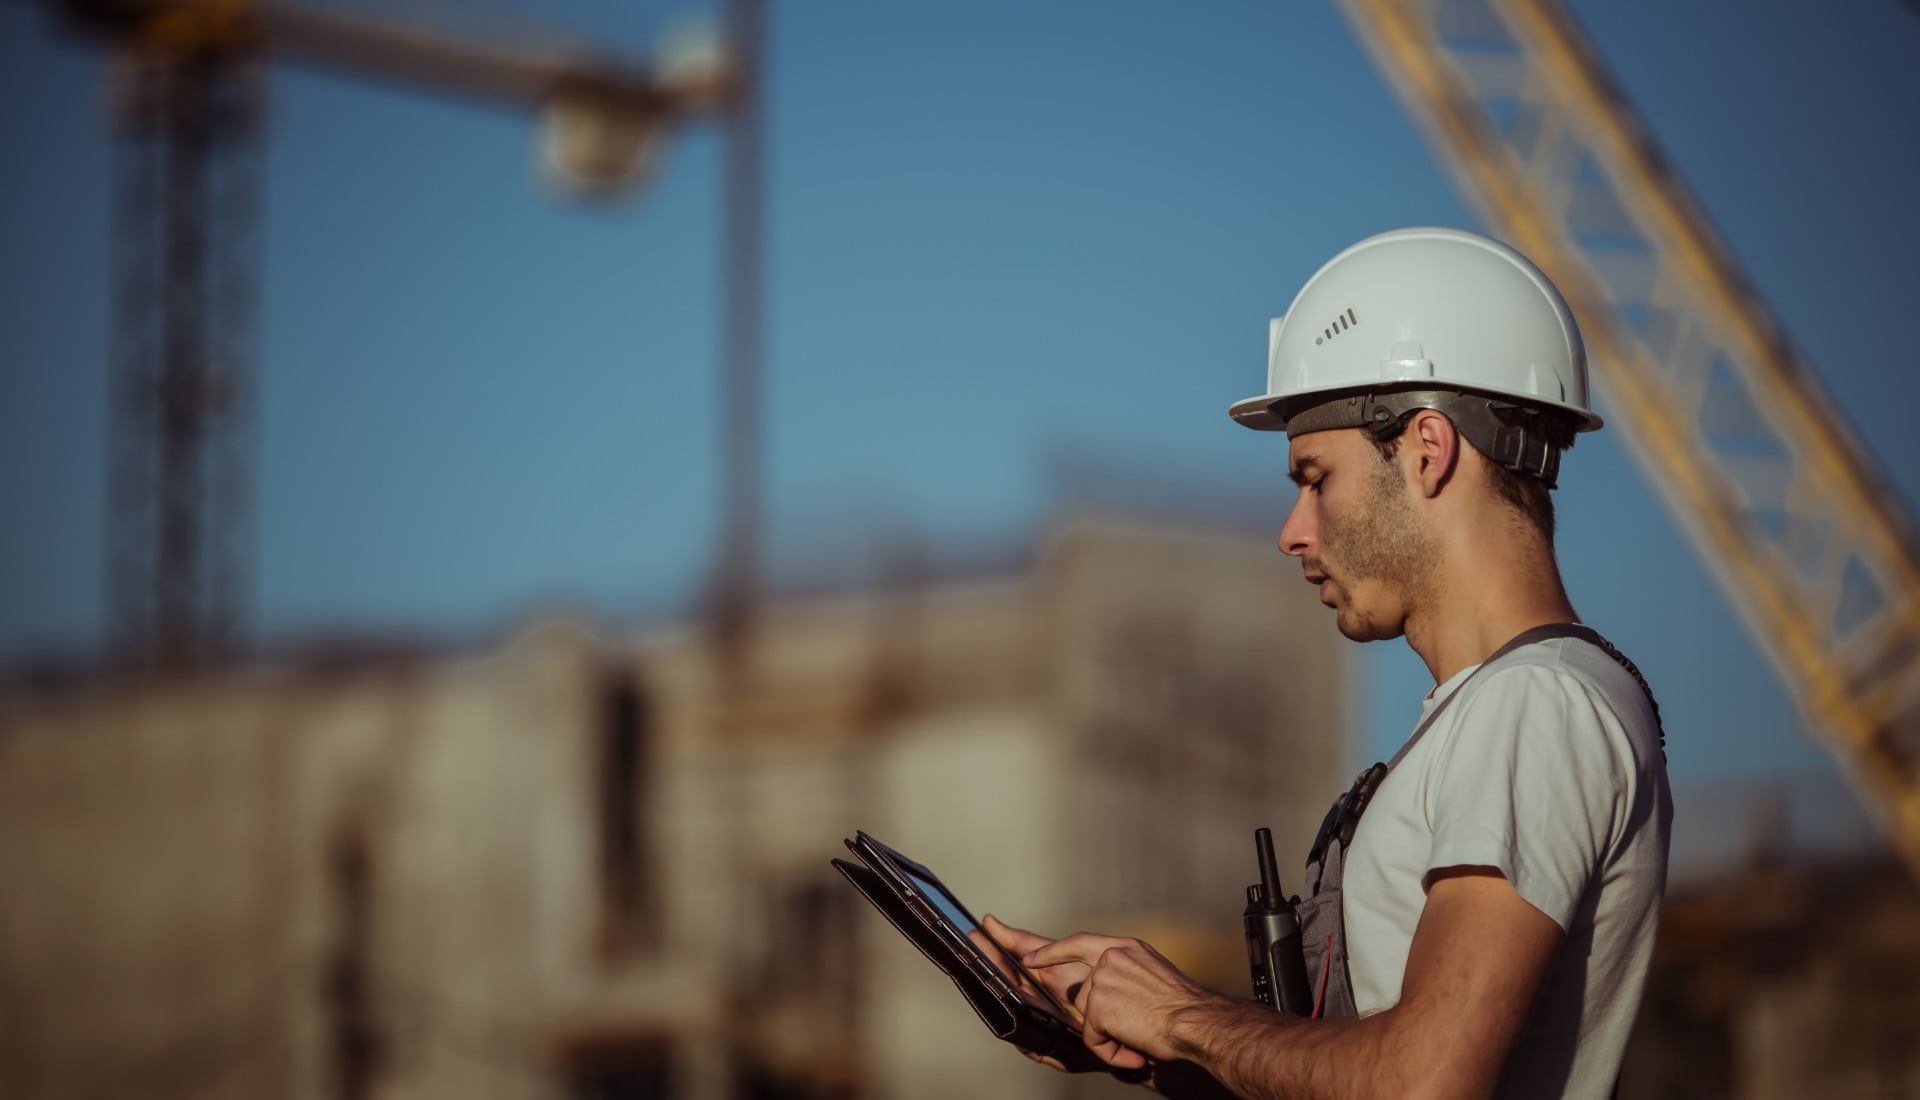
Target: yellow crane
{"x":1730,"y":424}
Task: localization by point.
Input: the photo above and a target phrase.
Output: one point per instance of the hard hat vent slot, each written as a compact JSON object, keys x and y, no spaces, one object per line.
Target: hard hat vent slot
{"x":1340,"y":324}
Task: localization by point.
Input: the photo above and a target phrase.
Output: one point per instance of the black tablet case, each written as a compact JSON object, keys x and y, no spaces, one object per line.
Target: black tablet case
{"x":996,"y":1001}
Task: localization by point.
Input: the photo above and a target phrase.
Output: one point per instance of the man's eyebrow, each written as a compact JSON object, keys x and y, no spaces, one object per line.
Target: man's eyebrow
{"x":1297,"y":475}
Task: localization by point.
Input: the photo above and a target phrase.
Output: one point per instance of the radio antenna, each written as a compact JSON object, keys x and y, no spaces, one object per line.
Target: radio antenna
{"x":1269,"y":871}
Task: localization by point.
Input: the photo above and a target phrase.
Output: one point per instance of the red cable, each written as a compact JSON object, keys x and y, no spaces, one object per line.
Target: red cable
{"x":1326,"y":971}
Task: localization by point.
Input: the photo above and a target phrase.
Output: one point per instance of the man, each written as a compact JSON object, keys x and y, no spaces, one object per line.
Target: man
{"x":1503,"y":885}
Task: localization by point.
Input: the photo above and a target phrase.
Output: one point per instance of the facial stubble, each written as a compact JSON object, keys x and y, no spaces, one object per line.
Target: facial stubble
{"x":1383,"y":540}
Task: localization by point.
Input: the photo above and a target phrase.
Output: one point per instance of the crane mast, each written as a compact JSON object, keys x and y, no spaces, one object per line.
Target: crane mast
{"x":187,"y":257}
{"x":1729,"y":423}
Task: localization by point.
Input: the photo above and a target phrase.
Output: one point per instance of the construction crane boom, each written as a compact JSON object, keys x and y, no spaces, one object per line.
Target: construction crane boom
{"x":186,"y":213}
{"x":420,"y":60}
{"x":1805,"y":537}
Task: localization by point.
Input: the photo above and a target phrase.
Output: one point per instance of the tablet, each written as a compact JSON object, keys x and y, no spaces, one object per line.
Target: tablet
{"x":924,"y":910}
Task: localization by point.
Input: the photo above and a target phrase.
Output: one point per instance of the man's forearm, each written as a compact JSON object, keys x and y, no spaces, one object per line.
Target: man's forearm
{"x":1476,"y":964}
{"x":1256,"y":1052}
{"x":1186,"y":1081}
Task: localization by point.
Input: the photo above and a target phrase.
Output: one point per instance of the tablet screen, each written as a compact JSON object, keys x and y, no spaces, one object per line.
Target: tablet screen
{"x":958,"y":916}
{"x":949,"y":908}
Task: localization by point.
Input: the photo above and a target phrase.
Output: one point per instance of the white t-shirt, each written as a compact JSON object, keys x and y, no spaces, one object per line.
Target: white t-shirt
{"x":1549,"y":768}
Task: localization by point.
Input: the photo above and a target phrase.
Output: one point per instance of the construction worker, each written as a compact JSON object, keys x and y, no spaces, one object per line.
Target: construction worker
{"x":1483,"y":908}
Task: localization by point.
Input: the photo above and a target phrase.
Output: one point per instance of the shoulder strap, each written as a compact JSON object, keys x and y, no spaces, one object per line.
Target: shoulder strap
{"x":1344,"y":817}
{"x":1524,"y":638}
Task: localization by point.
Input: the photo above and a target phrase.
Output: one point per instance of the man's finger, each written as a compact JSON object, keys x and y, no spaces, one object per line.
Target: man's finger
{"x":995,"y":953}
{"x":1081,"y":947}
{"x":1046,"y":1060}
{"x":1017,"y":941}
{"x":1111,"y":1050}
{"x":1105,"y":1047}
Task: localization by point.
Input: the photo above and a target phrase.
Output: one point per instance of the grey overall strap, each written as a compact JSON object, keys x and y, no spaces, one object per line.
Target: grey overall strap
{"x":1525,"y":638}
{"x":1344,"y":817}
{"x":1321,"y":916}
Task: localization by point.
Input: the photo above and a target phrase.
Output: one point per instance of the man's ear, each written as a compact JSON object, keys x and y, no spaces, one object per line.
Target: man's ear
{"x":1431,"y":446}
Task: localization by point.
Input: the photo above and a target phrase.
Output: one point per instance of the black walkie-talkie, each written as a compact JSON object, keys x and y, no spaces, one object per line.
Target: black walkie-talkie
{"x":1273,"y":938}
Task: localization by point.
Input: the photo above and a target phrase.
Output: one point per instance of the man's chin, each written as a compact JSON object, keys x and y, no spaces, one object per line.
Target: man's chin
{"x":1357,"y":626}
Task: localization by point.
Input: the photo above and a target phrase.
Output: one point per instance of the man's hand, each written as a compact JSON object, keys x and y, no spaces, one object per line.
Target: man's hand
{"x":1063,"y":982}
{"x":1128,"y":998}
{"x":1475,"y":965}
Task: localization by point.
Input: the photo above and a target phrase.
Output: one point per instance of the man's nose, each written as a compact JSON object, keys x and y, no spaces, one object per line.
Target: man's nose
{"x":1296,"y":534}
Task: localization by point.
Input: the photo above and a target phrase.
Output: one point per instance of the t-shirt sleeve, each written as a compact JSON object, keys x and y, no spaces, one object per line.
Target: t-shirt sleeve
{"x":1528,"y":783}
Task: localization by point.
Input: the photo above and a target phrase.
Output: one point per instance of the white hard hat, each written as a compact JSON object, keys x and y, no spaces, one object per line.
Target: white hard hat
{"x":1422,"y":315}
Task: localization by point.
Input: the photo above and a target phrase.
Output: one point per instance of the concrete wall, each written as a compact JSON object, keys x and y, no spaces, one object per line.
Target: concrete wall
{"x":582,"y":866}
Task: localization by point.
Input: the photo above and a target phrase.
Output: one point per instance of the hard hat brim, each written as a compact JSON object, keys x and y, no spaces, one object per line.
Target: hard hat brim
{"x":1260,"y":412}
{"x":1257,"y":413}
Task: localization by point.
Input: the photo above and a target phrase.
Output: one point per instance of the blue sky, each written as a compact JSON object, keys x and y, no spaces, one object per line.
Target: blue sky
{"x":1004,"y":237}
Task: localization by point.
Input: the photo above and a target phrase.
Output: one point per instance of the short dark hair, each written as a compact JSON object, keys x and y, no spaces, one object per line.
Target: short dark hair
{"x":1526,"y":493}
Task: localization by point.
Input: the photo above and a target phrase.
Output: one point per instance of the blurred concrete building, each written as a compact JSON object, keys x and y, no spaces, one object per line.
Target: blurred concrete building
{"x":583,"y":868}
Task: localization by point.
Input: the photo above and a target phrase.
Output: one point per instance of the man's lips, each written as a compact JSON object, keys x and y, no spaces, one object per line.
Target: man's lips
{"x":1316,"y":577}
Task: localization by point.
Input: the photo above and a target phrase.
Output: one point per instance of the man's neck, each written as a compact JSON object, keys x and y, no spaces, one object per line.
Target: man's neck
{"x":1492,"y":583}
